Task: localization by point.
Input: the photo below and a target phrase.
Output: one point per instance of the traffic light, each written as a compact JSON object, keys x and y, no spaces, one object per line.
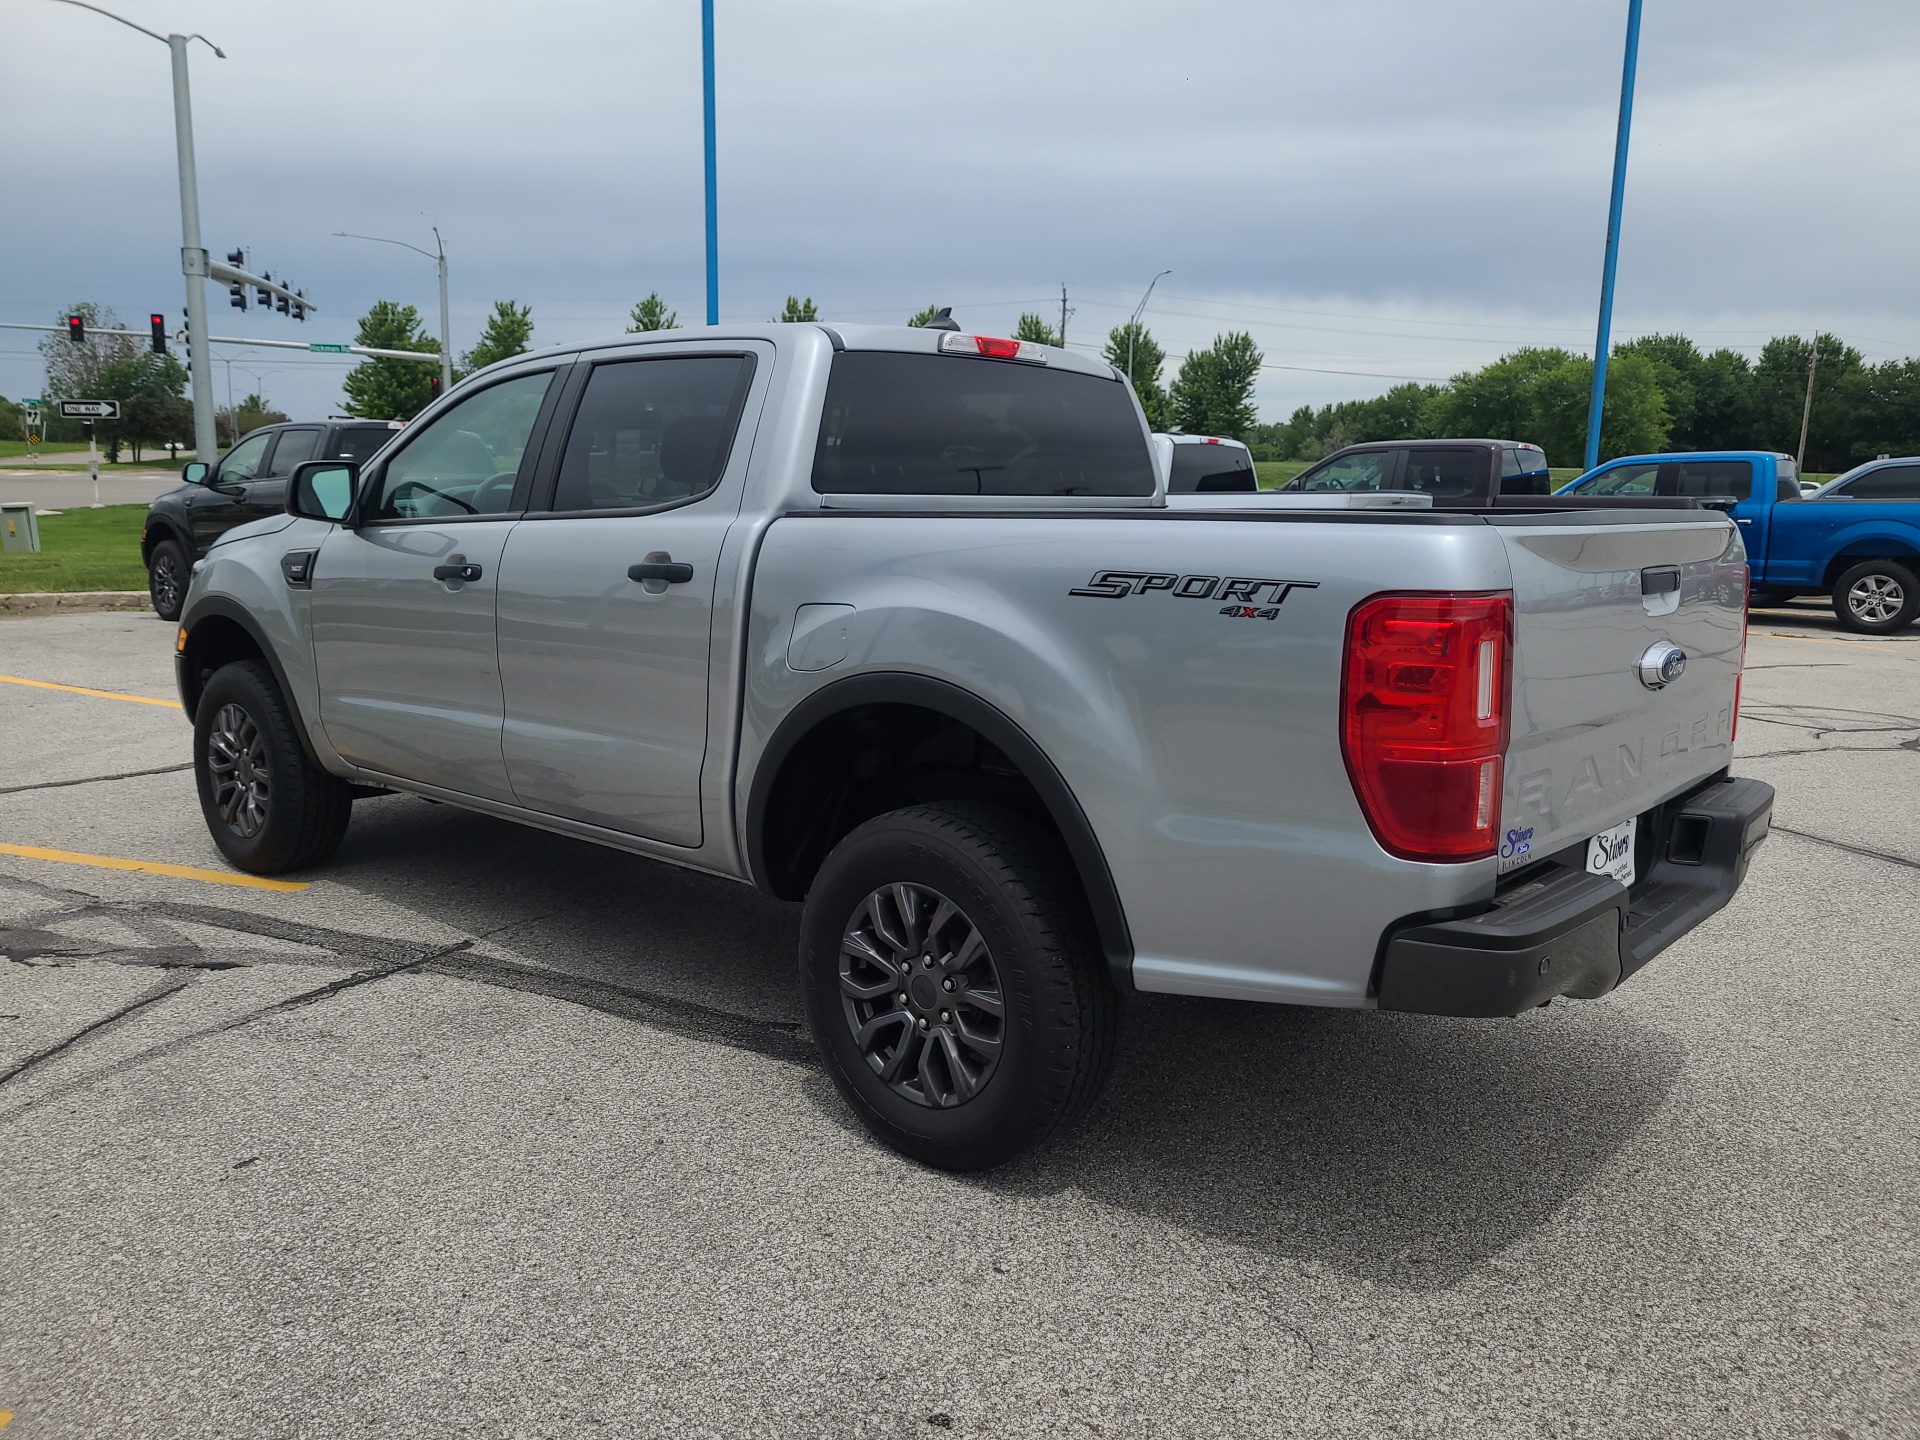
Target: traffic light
{"x":237,"y":291}
{"x":283,"y":305}
{"x":299,"y":310}
{"x":158,"y":323}
{"x":433,"y":387}
{"x":263,"y":295}
{"x":76,"y":330}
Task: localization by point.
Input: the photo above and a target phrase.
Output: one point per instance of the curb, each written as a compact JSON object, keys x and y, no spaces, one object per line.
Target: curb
{"x":73,"y":602}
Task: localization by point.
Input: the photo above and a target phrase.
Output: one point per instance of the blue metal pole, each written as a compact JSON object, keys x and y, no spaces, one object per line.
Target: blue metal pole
{"x":1604,"y":342}
{"x":713,"y":184}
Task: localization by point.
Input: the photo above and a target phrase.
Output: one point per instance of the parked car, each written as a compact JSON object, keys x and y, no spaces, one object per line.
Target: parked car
{"x":249,"y":481}
{"x":1457,"y":474}
{"x":1856,"y":540}
{"x":1204,"y":464}
{"x":897,"y":623}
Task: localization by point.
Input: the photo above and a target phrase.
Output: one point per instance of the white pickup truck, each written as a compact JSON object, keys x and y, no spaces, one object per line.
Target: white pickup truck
{"x":898,"y":623}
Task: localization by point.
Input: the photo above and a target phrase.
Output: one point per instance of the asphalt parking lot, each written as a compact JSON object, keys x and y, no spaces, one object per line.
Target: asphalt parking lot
{"x":486,"y":1132}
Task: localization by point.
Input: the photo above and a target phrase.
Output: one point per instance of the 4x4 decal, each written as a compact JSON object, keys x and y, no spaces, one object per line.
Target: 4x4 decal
{"x":1254,"y":599}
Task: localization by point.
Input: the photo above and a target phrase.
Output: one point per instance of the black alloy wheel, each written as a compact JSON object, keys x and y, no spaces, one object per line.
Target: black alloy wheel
{"x":953,"y":984}
{"x":167,"y":577}
{"x":267,"y":805}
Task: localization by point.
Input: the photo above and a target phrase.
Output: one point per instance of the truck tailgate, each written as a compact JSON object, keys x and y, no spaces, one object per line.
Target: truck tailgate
{"x":1592,"y":744}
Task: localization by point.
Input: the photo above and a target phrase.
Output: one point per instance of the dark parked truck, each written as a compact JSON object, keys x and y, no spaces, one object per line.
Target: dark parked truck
{"x":249,"y":481}
{"x":899,"y":624}
{"x":1856,"y":540}
{"x":1455,"y":474}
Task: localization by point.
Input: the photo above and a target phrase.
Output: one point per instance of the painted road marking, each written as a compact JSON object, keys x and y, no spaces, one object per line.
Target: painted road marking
{"x":1810,"y":639}
{"x":83,"y":690}
{"x":152,"y":867}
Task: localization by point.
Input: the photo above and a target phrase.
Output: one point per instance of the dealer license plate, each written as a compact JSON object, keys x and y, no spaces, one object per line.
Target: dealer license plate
{"x":1611,"y":853}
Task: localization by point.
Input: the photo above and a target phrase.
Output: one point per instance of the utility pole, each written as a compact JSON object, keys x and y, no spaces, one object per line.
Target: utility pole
{"x":1063,"y":314}
{"x":1605,"y":339}
{"x":713,"y":199}
{"x":1806,"y":415}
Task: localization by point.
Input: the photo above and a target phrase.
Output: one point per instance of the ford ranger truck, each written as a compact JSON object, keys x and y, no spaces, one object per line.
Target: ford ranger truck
{"x":896,"y":625}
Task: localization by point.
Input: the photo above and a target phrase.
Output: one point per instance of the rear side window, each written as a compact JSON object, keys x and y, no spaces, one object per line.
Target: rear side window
{"x":1700,"y":478}
{"x":1445,"y":474}
{"x":952,"y":425}
{"x":652,"y":432}
{"x":1366,"y":470}
{"x":1205,"y":468}
{"x":1895,"y":482}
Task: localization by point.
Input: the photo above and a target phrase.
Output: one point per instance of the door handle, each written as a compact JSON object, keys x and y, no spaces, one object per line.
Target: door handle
{"x":661,"y":566}
{"x":456,"y":568}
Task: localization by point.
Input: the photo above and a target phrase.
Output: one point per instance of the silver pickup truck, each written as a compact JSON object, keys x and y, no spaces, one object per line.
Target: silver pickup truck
{"x":898,"y":623}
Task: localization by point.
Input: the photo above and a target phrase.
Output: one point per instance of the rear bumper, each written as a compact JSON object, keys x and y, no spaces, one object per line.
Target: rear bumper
{"x":1561,"y":931}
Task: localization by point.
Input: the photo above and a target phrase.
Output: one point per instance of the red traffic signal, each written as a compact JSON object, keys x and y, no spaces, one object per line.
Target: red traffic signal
{"x":159,"y":324}
{"x":76,"y":330}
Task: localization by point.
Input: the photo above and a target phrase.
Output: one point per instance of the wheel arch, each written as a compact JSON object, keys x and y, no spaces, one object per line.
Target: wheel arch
{"x":816,"y":716}
{"x":1855,"y":550}
{"x":159,"y":528}
{"x":217,"y":632}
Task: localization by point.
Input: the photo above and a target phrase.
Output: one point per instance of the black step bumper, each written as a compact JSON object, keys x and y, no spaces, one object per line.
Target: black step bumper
{"x":1561,"y":931}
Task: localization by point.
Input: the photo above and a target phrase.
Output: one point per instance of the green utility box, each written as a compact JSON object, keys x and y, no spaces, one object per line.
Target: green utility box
{"x":18,"y":529}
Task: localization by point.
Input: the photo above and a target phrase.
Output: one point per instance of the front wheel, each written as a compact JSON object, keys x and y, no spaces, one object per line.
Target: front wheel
{"x":268,"y":807}
{"x":167,"y":576}
{"x":1876,"y":597}
{"x":953,"y":986}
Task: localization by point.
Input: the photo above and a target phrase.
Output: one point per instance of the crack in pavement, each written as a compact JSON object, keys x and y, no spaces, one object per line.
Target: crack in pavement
{"x":1860,"y":850}
{"x":159,"y":992}
{"x":95,"y":779}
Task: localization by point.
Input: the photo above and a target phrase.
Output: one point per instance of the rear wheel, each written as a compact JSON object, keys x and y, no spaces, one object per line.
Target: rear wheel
{"x":1876,"y":597}
{"x":167,"y":576}
{"x":953,"y":985}
{"x":267,"y":806}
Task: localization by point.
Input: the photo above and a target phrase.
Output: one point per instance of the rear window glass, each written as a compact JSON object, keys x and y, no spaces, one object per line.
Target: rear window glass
{"x":359,"y":442}
{"x":1200,"y":468}
{"x":1699,"y":478}
{"x":952,"y":425}
{"x":1515,"y":460}
{"x":1895,"y":482}
{"x":1445,"y":474}
{"x":1366,"y":470}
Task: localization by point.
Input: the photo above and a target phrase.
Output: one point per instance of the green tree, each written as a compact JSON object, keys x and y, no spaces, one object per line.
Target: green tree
{"x":151,"y":390}
{"x":249,"y":415}
{"x":1032,"y":328}
{"x":1498,"y":401}
{"x":797,"y":310}
{"x":507,"y":332}
{"x":1634,"y":420}
{"x":1134,"y":352}
{"x":382,"y":389}
{"x":921,"y":317}
{"x":73,"y":371}
{"x":1780,"y":397}
{"x":1213,"y":393}
{"x":652,"y":314}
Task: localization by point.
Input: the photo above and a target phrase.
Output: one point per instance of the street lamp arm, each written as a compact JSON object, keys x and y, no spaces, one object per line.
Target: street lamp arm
{"x":151,"y":34}
{"x":348,"y":235}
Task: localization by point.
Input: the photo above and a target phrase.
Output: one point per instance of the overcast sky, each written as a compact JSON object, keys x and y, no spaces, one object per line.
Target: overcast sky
{"x":1377,"y":190}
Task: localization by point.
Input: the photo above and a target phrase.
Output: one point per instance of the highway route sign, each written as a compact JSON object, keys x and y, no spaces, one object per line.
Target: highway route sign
{"x":90,"y":409}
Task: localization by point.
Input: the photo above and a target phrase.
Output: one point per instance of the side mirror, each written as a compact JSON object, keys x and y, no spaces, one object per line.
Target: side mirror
{"x":195,"y":472}
{"x":323,"y":490}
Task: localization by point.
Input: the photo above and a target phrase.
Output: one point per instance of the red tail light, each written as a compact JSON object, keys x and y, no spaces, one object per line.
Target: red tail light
{"x":1424,"y":719}
{"x":1746,"y":619}
{"x":997,"y":349}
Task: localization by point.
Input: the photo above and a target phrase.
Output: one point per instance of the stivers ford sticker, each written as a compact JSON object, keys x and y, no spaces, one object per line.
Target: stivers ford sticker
{"x":1253,"y":599}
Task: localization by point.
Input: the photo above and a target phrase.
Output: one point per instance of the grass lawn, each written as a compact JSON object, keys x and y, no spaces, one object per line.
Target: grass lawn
{"x":80,"y":550}
{"x":19,"y":447}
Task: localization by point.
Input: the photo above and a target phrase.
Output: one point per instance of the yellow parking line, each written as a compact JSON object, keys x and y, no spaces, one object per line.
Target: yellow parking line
{"x":1816,"y":640}
{"x":151,"y":867}
{"x":83,"y":690}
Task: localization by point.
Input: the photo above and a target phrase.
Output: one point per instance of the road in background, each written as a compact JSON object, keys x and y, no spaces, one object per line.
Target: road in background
{"x":495,"y":1132}
{"x":68,"y":489}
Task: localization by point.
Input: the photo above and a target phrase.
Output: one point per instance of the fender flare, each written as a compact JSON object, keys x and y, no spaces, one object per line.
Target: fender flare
{"x":186,"y":672}
{"x":944,"y":698}
{"x":163,"y":527}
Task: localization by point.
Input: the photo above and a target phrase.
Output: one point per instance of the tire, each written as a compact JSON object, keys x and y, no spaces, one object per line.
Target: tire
{"x":167,"y":575}
{"x":267,"y":806}
{"x":1876,"y":597}
{"x":945,"y":877}
{"x":1767,"y":599}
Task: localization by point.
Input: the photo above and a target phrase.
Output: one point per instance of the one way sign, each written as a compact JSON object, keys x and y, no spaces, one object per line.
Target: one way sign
{"x":90,"y":409}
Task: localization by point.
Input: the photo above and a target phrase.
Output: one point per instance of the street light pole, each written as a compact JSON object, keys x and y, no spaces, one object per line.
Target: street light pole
{"x":193,"y":257}
{"x":439,"y":256}
{"x":1133,"y":325}
{"x":1600,"y":346}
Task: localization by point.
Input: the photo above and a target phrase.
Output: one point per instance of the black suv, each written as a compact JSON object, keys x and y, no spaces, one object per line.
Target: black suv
{"x":249,"y":482}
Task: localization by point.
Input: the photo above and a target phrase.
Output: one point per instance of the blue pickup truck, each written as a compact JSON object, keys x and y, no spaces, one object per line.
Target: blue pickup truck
{"x":1856,"y":539}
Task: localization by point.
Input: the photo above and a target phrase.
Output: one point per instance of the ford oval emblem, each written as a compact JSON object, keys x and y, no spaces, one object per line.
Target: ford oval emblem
{"x":1664,"y":663}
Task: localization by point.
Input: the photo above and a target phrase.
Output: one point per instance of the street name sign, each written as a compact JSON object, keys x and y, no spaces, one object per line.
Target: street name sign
{"x":90,"y":409}
{"x":330,"y":349}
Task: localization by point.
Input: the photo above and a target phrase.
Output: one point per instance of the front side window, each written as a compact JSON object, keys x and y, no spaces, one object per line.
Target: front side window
{"x":652,"y":432}
{"x":899,"y":424}
{"x":294,"y":446}
{"x":1701,"y":478}
{"x":1637,"y":479}
{"x":1366,"y":470}
{"x":1200,"y":469}
{"x":467,"y":459}
{"x":1894,"y":482}
{"x":242,"y":462}
{"x":1445,"y":474}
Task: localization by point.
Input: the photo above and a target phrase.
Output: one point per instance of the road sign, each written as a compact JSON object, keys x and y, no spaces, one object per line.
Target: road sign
{"x":330,"y":349}
{"x":32,"y":417}
{"x":90,"y":409}
{"x":33,"y":437}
